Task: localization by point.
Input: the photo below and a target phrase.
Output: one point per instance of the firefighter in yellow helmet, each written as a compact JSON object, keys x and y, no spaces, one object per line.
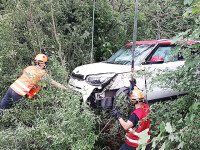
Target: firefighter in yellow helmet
{"x":138,"y":125}
{"x":26,"y":84}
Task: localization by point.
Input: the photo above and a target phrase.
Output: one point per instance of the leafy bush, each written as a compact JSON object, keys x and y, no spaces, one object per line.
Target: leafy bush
{"x":180,"y":124}
{"x":175,"y":124}
{"x":53,"y":119}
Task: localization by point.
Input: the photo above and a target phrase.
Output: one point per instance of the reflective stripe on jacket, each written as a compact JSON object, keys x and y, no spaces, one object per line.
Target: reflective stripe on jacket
{"x":140,"y":135}
{"x":27,"y":80}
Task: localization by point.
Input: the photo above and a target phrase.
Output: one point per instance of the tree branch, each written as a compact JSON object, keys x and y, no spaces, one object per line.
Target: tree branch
{"x":31,"y":20}
{"x":34,"y":26}
{"x":55,"y":33}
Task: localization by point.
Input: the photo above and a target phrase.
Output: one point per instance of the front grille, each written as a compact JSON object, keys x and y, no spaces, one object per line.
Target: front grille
{"x":77,"y":76}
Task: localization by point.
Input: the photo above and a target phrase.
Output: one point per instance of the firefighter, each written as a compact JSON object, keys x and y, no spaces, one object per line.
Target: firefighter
{"x":26,"y":84}
{"x":138,"y":126}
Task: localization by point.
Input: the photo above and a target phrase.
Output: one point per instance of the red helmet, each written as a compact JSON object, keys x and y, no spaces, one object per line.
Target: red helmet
{"x":41,"y":58}
{"x":137,"y":95}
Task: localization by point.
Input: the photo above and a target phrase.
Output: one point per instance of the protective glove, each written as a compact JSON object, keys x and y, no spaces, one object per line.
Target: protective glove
{"x":115,"y":113}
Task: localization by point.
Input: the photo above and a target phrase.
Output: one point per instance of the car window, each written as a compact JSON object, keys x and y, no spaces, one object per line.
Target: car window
{"x":124,"y":55}
{"x":165,"y":52}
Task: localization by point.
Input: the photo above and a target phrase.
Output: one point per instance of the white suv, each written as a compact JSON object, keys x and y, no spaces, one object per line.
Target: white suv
{"x":100,"y":82}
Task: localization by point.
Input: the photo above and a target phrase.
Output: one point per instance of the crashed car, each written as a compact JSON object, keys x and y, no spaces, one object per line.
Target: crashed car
{"x":100,"y":82}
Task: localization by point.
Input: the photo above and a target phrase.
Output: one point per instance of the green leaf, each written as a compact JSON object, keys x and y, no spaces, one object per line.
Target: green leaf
{"x":174,"y":137}
{"x":168,"y":127}
{"x":163,"y":147}
{"x":194,"y":106}
{"x":180,"y":146}
{"x":154,"y":145}
{"x":144,"y":137}
{"x":195,"y":10}
{"x":189,"y":10}
{"x":171,"y":137}
{"x":192,"y":117}
{"x":162,"y":127}
{"x":188,"y":2}
{"x":181,"y":120}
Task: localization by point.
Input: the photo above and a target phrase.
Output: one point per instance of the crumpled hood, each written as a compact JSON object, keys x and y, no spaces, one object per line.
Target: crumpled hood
{"x":98,"y":68}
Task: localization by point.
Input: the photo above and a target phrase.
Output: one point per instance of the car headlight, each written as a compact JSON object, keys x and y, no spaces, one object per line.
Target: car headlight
{"x":98,"y":79}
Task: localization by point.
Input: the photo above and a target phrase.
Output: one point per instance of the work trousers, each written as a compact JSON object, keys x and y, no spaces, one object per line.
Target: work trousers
{"x":10,"y":98}
{"x":128,"y":147}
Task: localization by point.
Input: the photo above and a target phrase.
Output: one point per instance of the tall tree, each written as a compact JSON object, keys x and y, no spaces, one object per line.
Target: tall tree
{"x":180,"y":125}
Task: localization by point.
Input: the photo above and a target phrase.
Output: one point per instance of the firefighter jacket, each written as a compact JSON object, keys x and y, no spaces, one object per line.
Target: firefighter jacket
{"x":25,"y":84}
{"x":140,"y":134}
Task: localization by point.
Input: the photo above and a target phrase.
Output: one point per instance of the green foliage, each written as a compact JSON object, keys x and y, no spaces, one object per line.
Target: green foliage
{"x":181,"y":113}
{"x":53,"y":119}
{"x":109,"y":28}
{"x":180,"y":119}
{"x":164,"y":19}
{"x":114,"y":21}
{"x":28,"y":30}
{"x":194,"y":8}
{"x":179,"y":126}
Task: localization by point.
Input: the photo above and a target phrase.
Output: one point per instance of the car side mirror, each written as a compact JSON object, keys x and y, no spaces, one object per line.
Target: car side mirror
{"x":156,"y":60}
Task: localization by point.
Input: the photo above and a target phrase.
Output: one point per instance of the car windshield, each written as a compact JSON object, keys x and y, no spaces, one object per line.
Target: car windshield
{"x":124,"y":55}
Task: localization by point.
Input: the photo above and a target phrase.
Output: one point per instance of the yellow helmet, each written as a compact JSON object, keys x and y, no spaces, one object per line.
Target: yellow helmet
{"x":41,"y":58}
{"x":137,"y":95}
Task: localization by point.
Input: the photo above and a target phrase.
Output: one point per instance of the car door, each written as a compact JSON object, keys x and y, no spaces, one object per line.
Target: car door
{"x":169,"y":61}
